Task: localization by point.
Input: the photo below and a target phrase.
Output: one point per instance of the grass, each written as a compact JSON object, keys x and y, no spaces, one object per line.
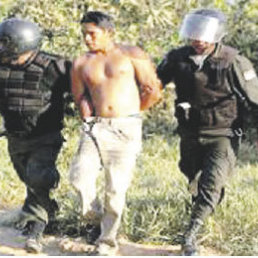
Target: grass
{"x":158,"y":200}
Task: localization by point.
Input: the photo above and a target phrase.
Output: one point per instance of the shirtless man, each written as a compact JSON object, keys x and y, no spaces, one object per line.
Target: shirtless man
{"x":111,"y":84}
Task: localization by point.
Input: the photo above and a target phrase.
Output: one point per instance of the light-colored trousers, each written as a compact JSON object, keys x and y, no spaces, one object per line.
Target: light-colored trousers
{"x":111,"y":144}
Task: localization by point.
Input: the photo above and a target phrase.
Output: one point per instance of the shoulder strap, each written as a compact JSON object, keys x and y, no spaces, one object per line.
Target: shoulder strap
{"x":42,"y":60}
{"x":225,"y":55}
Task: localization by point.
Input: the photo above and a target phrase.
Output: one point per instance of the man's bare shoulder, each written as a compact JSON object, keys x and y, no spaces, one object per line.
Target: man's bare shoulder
{"x":134,"y":52}
{"x":81,"y":60}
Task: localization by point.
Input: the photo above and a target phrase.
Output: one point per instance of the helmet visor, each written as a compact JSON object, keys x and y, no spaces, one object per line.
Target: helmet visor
{"x":203,"y":28}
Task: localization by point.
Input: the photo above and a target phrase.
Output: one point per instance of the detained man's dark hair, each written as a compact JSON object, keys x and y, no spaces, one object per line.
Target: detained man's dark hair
{"x":100,"y":19}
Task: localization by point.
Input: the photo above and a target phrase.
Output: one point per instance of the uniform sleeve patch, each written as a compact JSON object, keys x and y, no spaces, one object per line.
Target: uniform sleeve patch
{"x":249,"y":75}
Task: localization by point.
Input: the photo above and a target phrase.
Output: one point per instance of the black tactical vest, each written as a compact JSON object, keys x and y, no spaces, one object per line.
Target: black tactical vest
{"x":208,"y":90}
{"x":25,"y":94}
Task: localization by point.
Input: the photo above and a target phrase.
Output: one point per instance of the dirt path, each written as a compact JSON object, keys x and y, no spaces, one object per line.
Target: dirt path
{"x":12,"y":243}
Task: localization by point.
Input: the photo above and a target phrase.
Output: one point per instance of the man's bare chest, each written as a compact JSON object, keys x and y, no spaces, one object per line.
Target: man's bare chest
{"x":99,"y":69}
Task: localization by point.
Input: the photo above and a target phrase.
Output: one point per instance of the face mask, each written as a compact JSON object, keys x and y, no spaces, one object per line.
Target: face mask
{"x":199,"y":60}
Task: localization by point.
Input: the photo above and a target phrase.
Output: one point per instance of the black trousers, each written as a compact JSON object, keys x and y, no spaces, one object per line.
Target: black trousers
{"x":212,"y":159}
{"x":34,"y":161}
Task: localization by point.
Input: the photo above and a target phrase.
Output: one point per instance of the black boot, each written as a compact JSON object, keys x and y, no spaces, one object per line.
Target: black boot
{"x":53,"y":223}
{"x":91,"y":233}
{"x":27,"y":229}
{"x":189,"y":246}
{"x":33,"y":244}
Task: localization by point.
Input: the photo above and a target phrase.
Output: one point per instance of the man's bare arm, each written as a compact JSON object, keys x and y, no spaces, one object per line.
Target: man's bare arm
{"x":80,"y":93}
{"x":147,"y":80}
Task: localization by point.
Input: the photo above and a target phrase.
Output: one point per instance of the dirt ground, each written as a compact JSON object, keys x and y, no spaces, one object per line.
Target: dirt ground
{"x":12,"y":243}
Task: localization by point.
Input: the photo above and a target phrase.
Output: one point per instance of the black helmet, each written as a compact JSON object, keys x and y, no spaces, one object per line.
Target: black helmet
{"x":18,"y":36}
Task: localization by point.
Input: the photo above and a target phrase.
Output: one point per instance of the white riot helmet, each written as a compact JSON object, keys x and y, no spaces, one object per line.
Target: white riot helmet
{"x":205,"y":25}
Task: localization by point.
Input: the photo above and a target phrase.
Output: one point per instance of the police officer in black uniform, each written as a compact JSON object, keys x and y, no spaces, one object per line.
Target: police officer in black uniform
{"x":213,"y":82}
{"x":33,"y":85}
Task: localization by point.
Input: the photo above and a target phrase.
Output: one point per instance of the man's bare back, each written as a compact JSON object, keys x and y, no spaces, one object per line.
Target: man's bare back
{"x":119,"y":80}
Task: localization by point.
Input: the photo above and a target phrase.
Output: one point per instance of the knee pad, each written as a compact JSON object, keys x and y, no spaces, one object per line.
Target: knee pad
{"x":45,"y":178}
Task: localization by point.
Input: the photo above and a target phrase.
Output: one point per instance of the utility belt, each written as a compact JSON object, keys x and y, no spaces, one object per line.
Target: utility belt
{"x":229,"y":132}
{"x":18,"y":134}
{"x":214,"y":132}
{"x":191,"y":119}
